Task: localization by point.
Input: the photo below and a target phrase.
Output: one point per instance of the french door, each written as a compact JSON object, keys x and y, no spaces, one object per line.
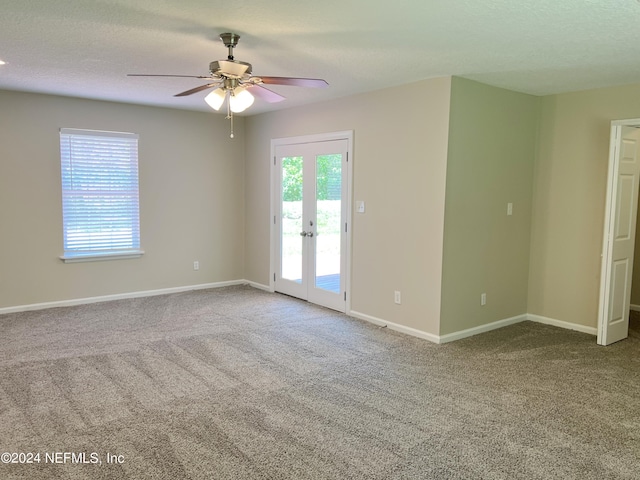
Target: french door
{"x":310,"y":221}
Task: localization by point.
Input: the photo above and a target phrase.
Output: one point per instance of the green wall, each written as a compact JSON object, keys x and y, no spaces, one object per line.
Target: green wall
{"x":492,"y":145}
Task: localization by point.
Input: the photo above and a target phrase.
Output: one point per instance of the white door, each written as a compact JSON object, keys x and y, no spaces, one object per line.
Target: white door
{"x":311,"y":224}
{"x":620,"y":232}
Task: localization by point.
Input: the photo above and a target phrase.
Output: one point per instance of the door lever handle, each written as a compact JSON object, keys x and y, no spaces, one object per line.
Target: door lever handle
{"x":303,"y":234}
{"x":310,"y":234}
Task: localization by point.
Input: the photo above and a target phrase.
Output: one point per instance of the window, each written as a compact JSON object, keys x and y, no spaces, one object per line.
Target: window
{"x":100,"y":208}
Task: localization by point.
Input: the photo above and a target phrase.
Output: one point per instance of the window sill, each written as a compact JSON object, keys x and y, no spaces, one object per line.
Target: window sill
{"x":97,"y":257}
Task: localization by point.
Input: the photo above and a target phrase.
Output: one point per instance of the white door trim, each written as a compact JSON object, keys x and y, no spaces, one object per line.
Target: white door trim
{"x":274,"y":199}
{"x":609,"y":224}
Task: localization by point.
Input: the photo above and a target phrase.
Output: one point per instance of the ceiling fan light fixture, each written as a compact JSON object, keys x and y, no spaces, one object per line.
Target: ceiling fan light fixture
{"x":231,"y":80}
{"x":240,"y":99}
{"x":215,"y":99}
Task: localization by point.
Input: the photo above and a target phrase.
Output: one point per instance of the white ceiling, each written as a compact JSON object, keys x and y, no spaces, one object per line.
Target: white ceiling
{"x":86,"y":48}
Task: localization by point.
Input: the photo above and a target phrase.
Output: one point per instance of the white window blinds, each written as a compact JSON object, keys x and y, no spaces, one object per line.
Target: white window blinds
{"x":99,"y":193}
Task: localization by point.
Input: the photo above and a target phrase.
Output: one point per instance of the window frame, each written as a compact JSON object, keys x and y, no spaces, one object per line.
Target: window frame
{"x":102,"y":251}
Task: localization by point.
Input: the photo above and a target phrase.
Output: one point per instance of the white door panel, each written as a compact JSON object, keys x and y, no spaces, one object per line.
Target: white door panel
{"x":619,"y":241}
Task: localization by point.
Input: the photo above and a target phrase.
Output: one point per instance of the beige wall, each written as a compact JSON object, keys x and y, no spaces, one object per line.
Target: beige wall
{"x":191,"y":199}
{"x":200,"y":191}
{"x":569,"y":196}
{"x":492,"y":141}
{"x":400,"y":154}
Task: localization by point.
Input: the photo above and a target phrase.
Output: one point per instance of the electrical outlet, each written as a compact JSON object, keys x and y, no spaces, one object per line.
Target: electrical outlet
{"x":397,"y":297}
{"x":196,"y":265}
{"x":483,"y":299}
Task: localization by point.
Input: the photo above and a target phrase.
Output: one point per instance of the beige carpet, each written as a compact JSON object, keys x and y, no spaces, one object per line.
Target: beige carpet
{"x":236,"y":383}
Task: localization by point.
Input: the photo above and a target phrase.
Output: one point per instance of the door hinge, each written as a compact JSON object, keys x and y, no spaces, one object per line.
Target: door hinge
{"x":345,"y":296}
{"x":345,"y":227}
{"x":274,"y":161}
{"x":274,"y":277}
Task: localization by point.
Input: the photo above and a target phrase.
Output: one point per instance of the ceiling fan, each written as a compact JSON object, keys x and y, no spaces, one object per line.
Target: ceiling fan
{"x":232,"y":80}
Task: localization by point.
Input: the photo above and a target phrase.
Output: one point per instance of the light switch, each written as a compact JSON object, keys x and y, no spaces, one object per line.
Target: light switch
{"x":509,"y":208}
{"x":360,"y":206}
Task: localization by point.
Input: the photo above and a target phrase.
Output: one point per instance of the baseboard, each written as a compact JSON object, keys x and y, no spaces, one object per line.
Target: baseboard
{"x":259,"y":286}
{"x":635,"y":308}
{"x":395,"y":326}
{"x":469,"y":332}
{"x":121,"y":296}
{"x":450,"y":337}
{"x":561,"y":324}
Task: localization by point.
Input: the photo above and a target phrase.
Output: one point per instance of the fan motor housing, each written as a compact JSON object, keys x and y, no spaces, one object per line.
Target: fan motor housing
{"x":230,"y":68}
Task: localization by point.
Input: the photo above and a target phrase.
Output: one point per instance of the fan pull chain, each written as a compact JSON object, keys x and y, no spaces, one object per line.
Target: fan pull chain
{"x":229,"y":114}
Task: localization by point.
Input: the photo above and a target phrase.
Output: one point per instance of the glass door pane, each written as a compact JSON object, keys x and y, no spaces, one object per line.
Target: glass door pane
{"x":292,"y":221}
{"x":328,"y":222}
{"x":311,"y":190}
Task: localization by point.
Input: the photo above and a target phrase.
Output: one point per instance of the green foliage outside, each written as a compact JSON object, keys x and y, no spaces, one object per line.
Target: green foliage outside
{"x":292,"y":179}
{"x":328,"y":178}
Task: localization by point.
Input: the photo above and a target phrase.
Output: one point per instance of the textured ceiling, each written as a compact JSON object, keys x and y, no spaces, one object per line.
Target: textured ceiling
{"x":85,"y":48}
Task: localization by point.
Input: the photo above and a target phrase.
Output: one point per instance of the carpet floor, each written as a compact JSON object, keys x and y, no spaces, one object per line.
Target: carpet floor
{"x":237,"y":383}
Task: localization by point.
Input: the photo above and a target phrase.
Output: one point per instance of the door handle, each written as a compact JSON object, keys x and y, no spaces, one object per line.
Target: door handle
{"x":310,"y":234}
{"x":303,"y":234}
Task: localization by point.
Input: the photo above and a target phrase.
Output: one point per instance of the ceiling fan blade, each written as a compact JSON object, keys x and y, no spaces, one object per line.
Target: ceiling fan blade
{"x":295,"y":82}
{"x":265,"y":94}
{"x":153,"y":75}
{"x":197,"y":89}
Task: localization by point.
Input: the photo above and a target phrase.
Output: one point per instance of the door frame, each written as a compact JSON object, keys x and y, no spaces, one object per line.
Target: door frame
{"x":611,"y":209}
{"x":275,"y":198}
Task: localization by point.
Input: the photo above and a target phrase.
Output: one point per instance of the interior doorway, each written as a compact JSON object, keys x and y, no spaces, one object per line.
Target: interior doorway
{"x":311,"y":217}
{"x":621,"y":212}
